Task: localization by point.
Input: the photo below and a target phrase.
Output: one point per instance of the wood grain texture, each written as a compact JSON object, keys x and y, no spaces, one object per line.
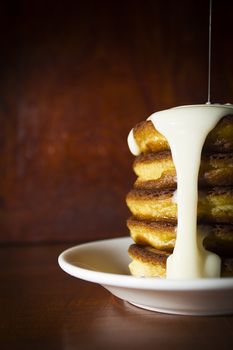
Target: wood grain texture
{"x":75,"y":77}
{"x":44,"y":308}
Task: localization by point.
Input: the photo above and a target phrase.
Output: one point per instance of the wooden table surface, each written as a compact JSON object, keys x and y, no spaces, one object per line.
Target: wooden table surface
{"x":44,"y":308}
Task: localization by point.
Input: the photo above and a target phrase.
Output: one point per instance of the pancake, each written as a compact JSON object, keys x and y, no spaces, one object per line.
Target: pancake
{"x":157,"y":170}
{"x":147,"y":261}
{"x":162,"y":235}
{"x":219,"y":140}
{"x":151,"y":262}
{"x":214,"y":205}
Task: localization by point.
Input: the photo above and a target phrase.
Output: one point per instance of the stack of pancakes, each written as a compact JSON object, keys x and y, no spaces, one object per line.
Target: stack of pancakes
{"x":152,"y":201}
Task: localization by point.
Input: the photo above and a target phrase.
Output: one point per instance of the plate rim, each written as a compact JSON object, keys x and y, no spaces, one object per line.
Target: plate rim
{"x":131,"y":282}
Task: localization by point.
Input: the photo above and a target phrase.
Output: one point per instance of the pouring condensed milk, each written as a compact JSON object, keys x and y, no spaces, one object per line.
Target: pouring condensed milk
{"x":185,"y":129}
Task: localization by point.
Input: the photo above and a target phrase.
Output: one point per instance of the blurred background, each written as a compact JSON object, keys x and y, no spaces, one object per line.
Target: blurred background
{"x":75,"y":77}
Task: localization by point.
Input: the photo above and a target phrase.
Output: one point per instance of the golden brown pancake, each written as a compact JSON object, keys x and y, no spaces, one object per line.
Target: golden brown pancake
{"x":151,"y":262}
{"x":147,"y":261}
{"x":157,"y":170}
{"x":214,"y":206}
{"x":162,"y":235}
{"x":159,"y":235}
{"x":219,"y":140}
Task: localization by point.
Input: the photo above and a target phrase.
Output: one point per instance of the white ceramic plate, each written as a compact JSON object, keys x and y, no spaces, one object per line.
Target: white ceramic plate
{"x":106,"y":262}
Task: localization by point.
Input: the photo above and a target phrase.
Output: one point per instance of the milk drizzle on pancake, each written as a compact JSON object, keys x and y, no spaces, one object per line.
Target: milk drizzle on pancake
{"x":186,"y":129}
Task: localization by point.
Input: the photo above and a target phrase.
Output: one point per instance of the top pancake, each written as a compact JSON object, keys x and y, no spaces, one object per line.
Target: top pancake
{"x":219,"y":140}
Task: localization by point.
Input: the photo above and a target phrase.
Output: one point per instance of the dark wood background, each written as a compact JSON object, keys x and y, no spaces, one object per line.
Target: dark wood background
{"x":75,"y":77}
